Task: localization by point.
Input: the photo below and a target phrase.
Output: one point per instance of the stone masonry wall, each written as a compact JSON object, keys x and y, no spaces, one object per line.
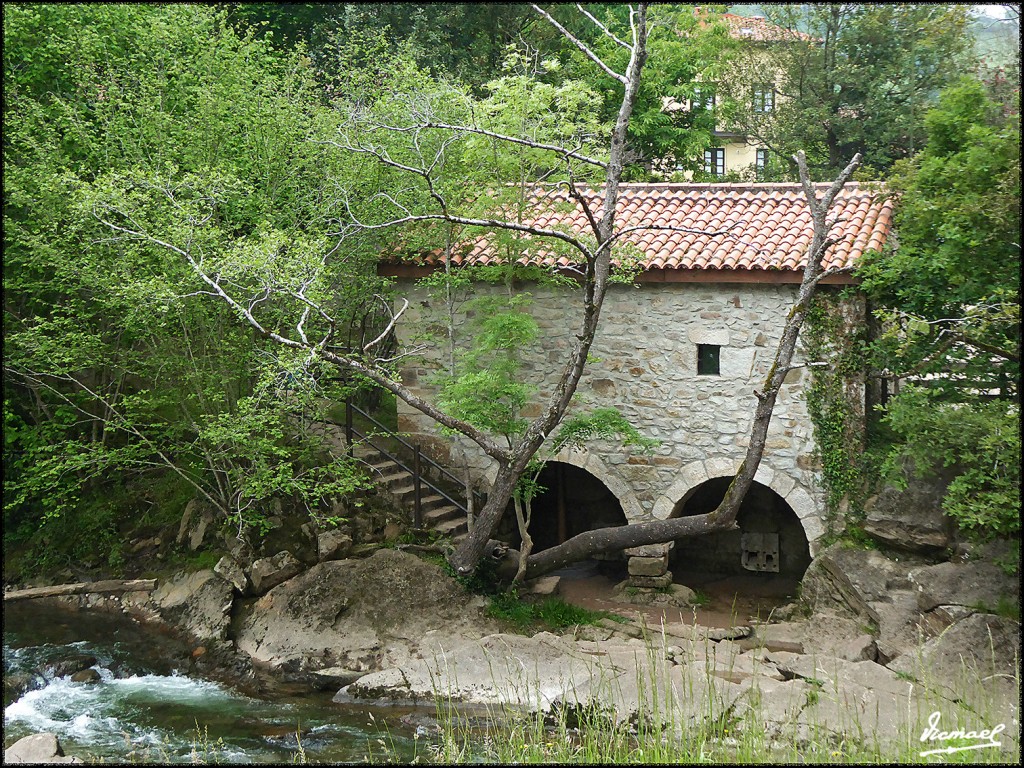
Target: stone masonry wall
{"x":644,"y":362}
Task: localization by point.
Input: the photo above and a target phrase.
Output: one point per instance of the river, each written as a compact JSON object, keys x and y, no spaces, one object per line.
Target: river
{"x":146,"y":707}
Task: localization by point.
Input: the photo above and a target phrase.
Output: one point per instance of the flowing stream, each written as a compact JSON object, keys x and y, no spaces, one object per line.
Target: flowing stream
{"x":146,"y":707}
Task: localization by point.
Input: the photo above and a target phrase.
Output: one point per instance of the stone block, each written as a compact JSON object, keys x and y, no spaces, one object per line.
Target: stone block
{"x":650,"y":550}
{"x":268,"y":572}
{"x":720,"y":467}
{"x":651,"y":582}
{"x":765,"y":475}
{"x":648,"y":566}
{"x":801,"y":503}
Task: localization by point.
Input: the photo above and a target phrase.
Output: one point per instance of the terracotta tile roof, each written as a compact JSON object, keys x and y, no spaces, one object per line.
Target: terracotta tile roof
{"x":706,"y":227}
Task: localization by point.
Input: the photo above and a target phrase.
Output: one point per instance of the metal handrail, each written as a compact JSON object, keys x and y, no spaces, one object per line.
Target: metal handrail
{"x":416,"y":470}
{"x":408,"y":445}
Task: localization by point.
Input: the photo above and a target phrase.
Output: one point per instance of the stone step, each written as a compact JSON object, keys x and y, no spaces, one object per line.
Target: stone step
{"x":398,"y":478}
{"x":438,"y":512}
{"x":438,"y":515}
{"x":407,"y":495}
{"x":452,"y":528}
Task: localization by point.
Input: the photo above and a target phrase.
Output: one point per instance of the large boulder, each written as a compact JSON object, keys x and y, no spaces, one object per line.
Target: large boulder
{"x":911,"y":519}
{"x":37,"y":748}
{"x":850,"y":580}
{"x":623,"y":680}
{"x":975,"y":661}
{"x":70,"y":664}
{"x":978,"y":584}
{"x":358,"y":615}
{"x":199,"y":603}
{"x":499,"y":668}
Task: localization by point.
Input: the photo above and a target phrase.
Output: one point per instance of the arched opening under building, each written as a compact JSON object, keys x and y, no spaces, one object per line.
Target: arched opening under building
{"x":765,"y":557}
{"x":572,"y":501}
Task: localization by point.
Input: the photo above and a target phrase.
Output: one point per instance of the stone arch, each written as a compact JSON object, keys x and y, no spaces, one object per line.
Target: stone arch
{"x":696,"y":473}
{"x":768,"y":539}
{"x":571,"y":500}
{"x":594,"y":465}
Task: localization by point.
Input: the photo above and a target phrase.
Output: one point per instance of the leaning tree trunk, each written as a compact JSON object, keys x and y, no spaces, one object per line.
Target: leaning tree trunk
{"x":471,"y":550}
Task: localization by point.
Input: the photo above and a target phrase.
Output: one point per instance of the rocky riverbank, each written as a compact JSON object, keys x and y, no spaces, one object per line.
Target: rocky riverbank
{"x":876,"y":643}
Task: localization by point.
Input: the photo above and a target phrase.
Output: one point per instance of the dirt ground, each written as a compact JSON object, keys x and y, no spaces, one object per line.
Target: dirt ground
{"x":733,"y":599}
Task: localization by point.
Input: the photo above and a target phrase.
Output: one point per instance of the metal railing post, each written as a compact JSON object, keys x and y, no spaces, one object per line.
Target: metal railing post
{"x":417,"y":514}
{"x":348,"y":426}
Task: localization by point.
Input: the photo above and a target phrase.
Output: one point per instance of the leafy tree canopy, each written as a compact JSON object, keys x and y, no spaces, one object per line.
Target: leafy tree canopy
{"x":861,"y":82}
{"x":948,"y":297}
{"x":118,"y":369}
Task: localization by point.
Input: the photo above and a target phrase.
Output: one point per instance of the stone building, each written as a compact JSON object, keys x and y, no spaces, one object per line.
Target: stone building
{"x":679,"y":352}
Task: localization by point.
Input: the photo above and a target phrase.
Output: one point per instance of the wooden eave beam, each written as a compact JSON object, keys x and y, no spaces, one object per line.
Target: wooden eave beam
{"x":764,"y":276}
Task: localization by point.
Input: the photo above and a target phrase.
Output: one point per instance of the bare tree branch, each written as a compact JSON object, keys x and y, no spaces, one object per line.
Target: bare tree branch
{"x":603,"y":28}
{"x":582,"y":46}
{"x":394,"y":319}
{"x":489,"y":446}
{"x":573,"y":153}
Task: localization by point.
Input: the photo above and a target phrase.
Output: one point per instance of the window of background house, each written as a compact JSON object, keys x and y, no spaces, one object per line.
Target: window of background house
{"x":704,"y":96}
{"x":714,"y":161}
{"x":761,"y":163}
{"x":764,"y":97}
{"x":708,"y":358}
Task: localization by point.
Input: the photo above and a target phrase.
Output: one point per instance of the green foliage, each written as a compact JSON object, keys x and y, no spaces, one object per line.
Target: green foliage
{"x":1007,"y":607}
{"x":837,"y":435}
{"x":855,"y":537}
{"x":600,"y":424}
{"x":488,"y":391}
{"x":683,"y":51}
{"x":862,"y":82}
{"x":118,"y":368}
{"x":700,"y":598}
{"x":980,"y":440}
{"x":948,"y":300}
{"x":949,"y":295}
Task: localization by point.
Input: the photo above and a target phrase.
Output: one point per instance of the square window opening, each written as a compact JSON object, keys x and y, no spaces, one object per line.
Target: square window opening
{"x":708,"y":359}
{"x":714,"y":161}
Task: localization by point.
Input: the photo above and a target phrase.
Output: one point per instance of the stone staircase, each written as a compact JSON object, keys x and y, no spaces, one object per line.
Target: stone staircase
{"x":438,"y":513}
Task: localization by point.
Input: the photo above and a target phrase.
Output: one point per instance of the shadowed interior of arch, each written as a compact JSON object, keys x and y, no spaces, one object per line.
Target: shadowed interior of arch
{"x":572,"y":501}
{"x":766,"y":556}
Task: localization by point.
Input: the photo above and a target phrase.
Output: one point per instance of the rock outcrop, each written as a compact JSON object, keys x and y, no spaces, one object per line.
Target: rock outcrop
{"x":357,"y":615}
{"x":910,"y":518}
{"x":37,"y":748}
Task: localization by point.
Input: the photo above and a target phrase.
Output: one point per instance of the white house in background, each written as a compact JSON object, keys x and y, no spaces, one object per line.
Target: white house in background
{"x":735,"y":152}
